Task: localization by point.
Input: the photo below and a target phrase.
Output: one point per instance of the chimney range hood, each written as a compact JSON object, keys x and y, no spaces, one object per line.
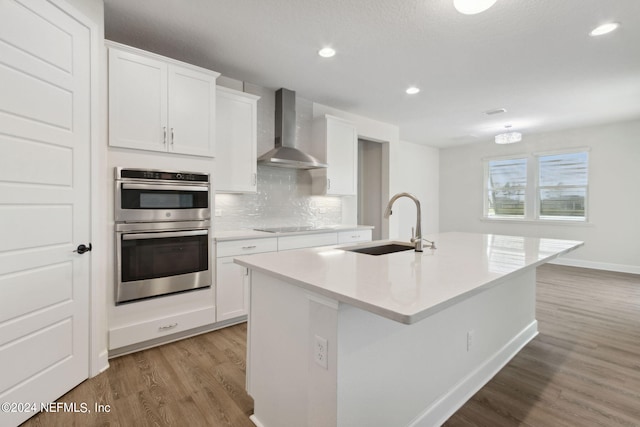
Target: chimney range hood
{"x":285,"y":154}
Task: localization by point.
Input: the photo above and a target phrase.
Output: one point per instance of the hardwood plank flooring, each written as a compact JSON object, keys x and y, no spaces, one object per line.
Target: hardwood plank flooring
{"x":198,"y":381}
{"x":583,"y":369}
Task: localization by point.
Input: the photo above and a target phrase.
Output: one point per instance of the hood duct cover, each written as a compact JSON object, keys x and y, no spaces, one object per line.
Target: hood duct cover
{"x":285,"y":154}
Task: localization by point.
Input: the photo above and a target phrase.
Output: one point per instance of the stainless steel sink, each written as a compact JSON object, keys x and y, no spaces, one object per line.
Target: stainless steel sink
{"x":381,"y":249}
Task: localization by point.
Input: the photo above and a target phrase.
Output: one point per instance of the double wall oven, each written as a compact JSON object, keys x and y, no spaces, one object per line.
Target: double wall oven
{"x":162,"y":229}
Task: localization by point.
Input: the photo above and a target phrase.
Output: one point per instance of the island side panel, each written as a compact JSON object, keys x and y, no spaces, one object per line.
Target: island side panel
{"x":278,"y":334}
{"x":420,"y":374}
{"x":288,"y":386}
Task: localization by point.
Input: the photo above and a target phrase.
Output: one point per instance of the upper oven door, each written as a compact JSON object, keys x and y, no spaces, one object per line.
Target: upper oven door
{"x":137,"y":201}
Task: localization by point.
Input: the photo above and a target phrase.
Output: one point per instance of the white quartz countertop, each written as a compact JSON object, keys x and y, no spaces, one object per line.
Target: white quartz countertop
{"x":409,"y":286}
{"x":221,"y":236}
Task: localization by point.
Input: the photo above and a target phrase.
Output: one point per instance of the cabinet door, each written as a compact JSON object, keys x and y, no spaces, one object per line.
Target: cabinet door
{"x":191,"y":110}
{"x":231,"y":289}
{"x":354,"y":236}
{"x":137,"y":101}
{"x":300,"y":241}
{"x":236,"y":139}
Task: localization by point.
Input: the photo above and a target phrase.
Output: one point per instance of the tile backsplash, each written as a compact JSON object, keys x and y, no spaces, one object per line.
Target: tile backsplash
{"x":283,"y":196}
{"x":283,"y":199}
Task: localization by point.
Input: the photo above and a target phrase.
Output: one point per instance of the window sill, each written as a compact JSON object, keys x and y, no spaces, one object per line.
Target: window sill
{"x":569,"y":222}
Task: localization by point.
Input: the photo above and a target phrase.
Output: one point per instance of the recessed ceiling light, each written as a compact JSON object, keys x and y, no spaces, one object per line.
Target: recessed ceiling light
{"x":412,"y":90}
{"x":326,"y":52}
{"x":604,"y":29}
{"x":471,"y":7}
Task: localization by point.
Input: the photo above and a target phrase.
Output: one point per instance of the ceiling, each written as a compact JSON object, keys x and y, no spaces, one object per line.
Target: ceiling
{"x":533,"y":58}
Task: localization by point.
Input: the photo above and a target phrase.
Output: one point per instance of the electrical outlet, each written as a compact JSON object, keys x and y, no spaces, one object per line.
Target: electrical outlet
{"x":218,"y":212}
{"x":320,"y":351}
{"x":469,"y":340}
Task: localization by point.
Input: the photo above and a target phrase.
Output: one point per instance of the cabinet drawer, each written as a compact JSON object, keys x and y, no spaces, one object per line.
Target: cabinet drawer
{"x":160,"y":327}
{"x":246,"y":247}
{"x":354,"y":236}
{"x":307,"y":241}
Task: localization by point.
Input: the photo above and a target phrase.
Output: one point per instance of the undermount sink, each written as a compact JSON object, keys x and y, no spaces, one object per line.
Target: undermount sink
{"x":381,"y":249}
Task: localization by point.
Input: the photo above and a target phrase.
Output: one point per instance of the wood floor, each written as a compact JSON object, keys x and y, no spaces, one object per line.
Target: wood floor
{"x":583,"y":369}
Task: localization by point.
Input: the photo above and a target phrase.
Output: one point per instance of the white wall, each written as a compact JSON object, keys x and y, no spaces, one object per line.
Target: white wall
{"x":407,"y":167}
{"x":612,"y":236}
{"x":418,"y":173}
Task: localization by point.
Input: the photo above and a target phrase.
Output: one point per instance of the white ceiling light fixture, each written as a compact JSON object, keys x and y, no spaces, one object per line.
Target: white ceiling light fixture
{"x":604,"y":29}
{"x":327,"y":52}
{"x":471,"y":7}
{"x":412,"y":90}
{"x":508,"y":137}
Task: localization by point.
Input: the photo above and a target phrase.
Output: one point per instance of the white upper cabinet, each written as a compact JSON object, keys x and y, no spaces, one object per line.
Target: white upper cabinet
{"x":336,"y":143}
{"x":236,"y":140}
{"x":160,"y":104}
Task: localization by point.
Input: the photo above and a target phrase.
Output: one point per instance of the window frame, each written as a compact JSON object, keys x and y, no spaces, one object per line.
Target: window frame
{"x":485,"y":197}
{"x":538,"y":188}
{"x":532,"y":201}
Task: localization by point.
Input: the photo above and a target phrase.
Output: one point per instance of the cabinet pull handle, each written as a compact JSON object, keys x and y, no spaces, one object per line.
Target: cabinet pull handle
{"x":171,"y":326}
{"x":249,"y":247}
{"x":255,"y":179}
{"x":328,"y":184}
{"x":164,"y":138}
{"x":355,"y":237}
{"x":172,"y":136}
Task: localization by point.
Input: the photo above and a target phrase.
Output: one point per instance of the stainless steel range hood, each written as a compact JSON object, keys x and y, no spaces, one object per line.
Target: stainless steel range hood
{"x":285,"y":154}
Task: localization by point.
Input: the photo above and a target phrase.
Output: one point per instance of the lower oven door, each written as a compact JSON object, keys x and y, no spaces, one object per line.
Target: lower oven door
{"x":153,"y":263}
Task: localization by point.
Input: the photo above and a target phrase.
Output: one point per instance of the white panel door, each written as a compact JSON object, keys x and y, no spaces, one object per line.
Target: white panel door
{"x":44,"y":203}
{"x":192,"y":111}
{"x":137,"y":102}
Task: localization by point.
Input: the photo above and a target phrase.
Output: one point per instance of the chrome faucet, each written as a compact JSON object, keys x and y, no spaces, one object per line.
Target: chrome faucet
{"x":417,"y":237}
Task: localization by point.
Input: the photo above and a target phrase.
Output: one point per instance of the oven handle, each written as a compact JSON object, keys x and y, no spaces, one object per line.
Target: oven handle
{"x":164,"y":234}
{"x":169,"y":187}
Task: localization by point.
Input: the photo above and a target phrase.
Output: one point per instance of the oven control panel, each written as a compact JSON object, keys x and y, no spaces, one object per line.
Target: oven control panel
{"x":147,"y":174}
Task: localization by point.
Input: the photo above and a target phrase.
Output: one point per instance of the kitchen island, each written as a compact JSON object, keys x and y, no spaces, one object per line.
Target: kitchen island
{"x":339,"y":338}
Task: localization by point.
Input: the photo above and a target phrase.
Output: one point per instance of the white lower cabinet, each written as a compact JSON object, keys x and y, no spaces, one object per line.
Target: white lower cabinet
{"x":231,"y":291}
{"x":231,"y":279}
{"x":300,"y":241}
{"x":354,"y":236}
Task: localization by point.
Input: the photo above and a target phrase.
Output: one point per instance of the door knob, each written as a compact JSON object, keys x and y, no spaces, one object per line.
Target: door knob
{"x":82,"y":248}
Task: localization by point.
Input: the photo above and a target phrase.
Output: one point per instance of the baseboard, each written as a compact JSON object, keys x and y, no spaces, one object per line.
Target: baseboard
{"x":103,"y":361}
{"x":619,"y":268}
{"x":447,"y":405}
{"x":255,"y":421}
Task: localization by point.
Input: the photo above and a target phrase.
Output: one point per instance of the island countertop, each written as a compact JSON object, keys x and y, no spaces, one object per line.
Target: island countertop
{"x":409,"y":286}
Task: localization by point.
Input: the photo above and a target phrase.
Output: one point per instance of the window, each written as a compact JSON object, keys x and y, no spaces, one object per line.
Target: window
{"x":506,"y":188}
{"x":562,"y":186}
{"x":543,"y":186}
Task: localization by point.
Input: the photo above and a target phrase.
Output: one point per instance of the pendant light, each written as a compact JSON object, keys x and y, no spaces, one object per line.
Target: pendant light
{"x":508,"y":137}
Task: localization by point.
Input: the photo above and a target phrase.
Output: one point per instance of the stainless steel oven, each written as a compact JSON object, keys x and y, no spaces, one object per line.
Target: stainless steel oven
{"x":144,"y":195}
{"x":161,"y":258}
